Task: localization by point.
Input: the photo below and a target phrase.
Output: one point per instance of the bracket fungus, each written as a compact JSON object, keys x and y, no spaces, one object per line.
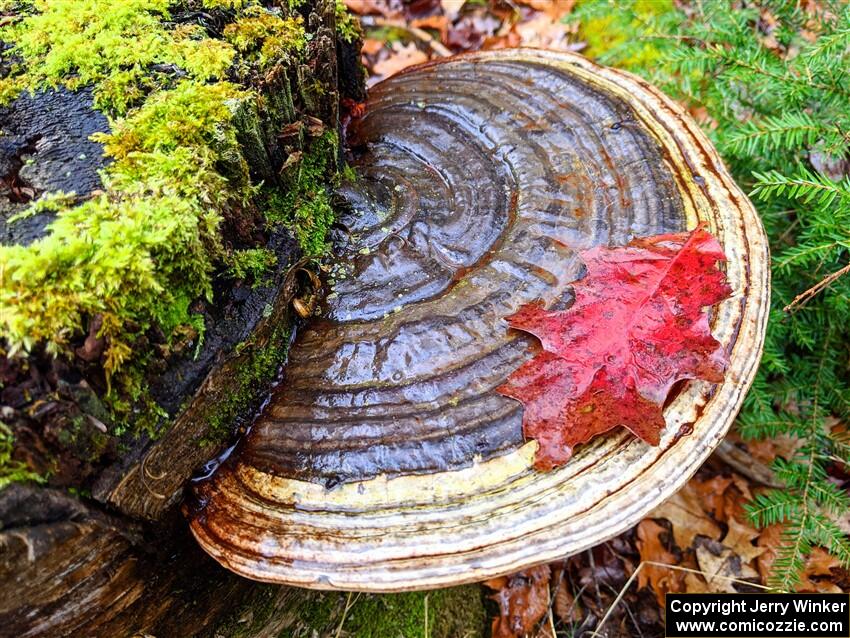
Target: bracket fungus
{"x":386,"y":460}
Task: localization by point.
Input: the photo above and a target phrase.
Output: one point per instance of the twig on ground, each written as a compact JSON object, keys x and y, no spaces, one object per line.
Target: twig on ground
{"x":745,"y":464}
{"x":348,"y":605}
{"x":803,"y":297}
{"x":628,"y":611}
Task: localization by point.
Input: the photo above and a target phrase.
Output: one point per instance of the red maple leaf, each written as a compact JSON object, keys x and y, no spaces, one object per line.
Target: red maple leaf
{"x":637,"y":326}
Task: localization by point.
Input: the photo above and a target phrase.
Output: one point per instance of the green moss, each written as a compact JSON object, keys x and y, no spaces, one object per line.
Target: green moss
{"x":622,"y":33}
{"x":110,"y":45}
{"x":443,"y":613}
{"x":47,"y":203}
{"x":12,"y":471}
{"x":347,"y":25}
{"x":305,"y":203}
{"x":266,"y":36}
{"x":143,"y":248}
{"x":225,"y":4}
{"x":250,"y":263}
{"x":255,"y":373}
{"x":151,"y":231}
{"x":250,"y":617}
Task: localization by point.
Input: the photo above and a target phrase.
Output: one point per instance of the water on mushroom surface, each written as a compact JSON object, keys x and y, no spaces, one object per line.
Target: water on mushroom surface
{"x":375,"y":401}
{"x":476,"y":185}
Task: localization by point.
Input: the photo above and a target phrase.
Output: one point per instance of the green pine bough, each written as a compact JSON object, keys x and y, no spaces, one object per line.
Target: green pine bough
{"x":143,"y":248}
{"x":772,"y":77}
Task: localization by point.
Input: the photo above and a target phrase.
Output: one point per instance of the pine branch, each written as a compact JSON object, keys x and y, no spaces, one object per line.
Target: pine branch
{"x":805,"y":185}
{"x":770,"y":134}
{"x":780,"y":109}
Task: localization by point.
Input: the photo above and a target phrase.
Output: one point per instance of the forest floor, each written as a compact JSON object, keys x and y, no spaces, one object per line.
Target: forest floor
{"x":701,"y":539}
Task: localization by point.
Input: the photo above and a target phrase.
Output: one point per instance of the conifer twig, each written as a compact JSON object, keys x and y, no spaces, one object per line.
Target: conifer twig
{"x":803,"y":297}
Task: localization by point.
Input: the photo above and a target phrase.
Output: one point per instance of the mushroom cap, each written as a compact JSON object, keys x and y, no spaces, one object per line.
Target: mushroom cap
{"x":386,"y":460}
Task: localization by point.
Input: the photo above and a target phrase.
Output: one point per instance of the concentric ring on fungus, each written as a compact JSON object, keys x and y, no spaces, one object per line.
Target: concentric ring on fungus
{"x":386,"y":461}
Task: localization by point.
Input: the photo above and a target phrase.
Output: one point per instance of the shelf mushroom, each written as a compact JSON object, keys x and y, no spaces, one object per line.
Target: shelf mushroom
{"x":386,"y":460}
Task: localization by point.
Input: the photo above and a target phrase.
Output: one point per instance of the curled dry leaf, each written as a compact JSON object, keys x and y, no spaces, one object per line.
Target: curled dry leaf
{"x":565,"y":604}
{"x":711,"y":495}
{"x":769,"y":540}
{"x":740,"y":539}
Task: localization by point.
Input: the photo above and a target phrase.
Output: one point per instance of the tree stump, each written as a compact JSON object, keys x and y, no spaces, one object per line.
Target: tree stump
{"x":102,"y":549}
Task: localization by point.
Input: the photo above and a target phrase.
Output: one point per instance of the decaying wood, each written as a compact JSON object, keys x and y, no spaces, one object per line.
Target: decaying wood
{"x":121,"y":562}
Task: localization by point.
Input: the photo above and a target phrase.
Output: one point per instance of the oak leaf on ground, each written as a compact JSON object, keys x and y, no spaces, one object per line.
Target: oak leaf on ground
{"x":687,"y":517}
{"x":723,"y":569}
{"x":740,"y":538}
{"x":638,"y":325}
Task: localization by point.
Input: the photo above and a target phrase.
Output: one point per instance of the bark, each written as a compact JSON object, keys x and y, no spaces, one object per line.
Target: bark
{"x":120,"y":562}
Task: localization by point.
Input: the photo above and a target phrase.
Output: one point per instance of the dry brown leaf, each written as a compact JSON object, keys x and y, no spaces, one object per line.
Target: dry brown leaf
{"x":368,"y":7}
{"x":817,"y":572}
{"x":439,"y":23}
{"x":717,"y":569}
{"x":769,"y":539}
{"x":371,"y":46}
{"x":685,"y":512}
{"x":711,"y":494}
{"x":402,"y":57}
{"x":661,"y":580}
{"x":543,"y":31}
{"x":819,"y":563}
{"x":740,"y":539}
{"x":565,"y":606}
{"x":767,"y":450}
{"x":553,"y":8}
{"x":743,"y":486}
{"x":695,"y":584}
{"x":523,"y":601}
{"x":508,"y":41}
{"x":471,"y":30}
{"x":770,"y":42}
